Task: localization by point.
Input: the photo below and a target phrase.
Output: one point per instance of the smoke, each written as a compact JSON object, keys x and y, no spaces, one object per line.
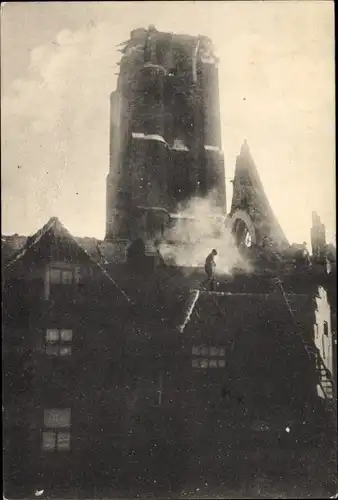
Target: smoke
{"x":199,"y":227}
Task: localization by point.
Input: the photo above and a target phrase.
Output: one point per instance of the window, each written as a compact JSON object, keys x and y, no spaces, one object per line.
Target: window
{"x":326,"y":328}
{"x":60,"y":276}
{"x":208,"y":357}
{"x":56,"y":436}
{"x":316,"y":331}
{"x":56,"y":417}
{"x":58,"y":342}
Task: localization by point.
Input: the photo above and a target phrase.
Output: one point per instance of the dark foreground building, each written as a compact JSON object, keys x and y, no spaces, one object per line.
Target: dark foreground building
{"x":121,"y":375}
{"x":167,"y":390}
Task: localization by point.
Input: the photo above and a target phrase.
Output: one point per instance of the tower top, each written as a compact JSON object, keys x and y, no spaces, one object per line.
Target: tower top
{"x":245,"y":151}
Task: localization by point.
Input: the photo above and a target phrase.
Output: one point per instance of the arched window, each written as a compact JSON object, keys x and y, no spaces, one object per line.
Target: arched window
{"x":242,"y":234}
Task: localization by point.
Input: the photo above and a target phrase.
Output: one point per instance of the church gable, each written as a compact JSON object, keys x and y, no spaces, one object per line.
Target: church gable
{"x":249,"y":197}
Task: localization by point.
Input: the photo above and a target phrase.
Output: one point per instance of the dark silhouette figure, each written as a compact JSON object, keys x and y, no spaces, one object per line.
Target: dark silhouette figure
{"x":160,"y":258}
{"x":209,"y":268}
{"x":136,"y":255}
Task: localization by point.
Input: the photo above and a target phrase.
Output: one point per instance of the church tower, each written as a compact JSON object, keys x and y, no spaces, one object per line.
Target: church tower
{"x":165,"y":133}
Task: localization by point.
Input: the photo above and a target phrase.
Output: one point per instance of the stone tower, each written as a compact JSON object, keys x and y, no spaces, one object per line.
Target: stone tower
{"x":165,"y":133}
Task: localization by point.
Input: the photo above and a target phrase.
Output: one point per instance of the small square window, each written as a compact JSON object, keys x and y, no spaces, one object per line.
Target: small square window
{"x":65,"y":351}
{"x":55,"y":276}
{"x":221,"y":363}
{"x":52,"y":350}
{"x":63,"y":441}
{"x":57,"y":342}
{"x":67,"y":277}
{"x":204,"y":350}
{"x":213,"y":363}
{"x":57,"y":417}
{"x":52,"y":335}
{"x":221,"y":351}
{"x":213,"y":351}
{"x":48,"y":440}
{"x":194,"y":363}
{"x":77,"y":275}
{"x":204,"y":363}
{"x":66,"y":335}
{"x":196,"y":350}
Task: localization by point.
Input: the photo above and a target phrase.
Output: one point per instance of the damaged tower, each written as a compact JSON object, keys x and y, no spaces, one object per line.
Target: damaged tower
{"x":165,"y":133}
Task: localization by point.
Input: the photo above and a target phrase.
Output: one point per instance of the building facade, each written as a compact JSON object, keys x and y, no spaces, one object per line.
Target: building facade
{"x":61,"y":346}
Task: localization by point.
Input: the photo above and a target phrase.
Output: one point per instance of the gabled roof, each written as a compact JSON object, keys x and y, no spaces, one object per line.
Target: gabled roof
{"x":213,"y":310}
{"x":249,"y":195}
{"x":31,"y":241}
{"x":58,"y":229}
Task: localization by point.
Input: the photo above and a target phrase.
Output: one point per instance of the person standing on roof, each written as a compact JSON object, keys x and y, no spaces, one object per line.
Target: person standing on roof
{"x":209,"y":267}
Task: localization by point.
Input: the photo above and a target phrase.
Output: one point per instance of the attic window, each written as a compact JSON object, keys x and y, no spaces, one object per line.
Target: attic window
{"x":60,"y":276}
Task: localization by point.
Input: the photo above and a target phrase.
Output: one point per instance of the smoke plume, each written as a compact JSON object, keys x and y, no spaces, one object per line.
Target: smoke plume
{"x":199,"y":227}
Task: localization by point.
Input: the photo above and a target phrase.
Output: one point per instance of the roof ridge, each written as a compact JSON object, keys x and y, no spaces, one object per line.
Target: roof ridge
{"x":191,"y":302}
{"x":93,"y":261}
{"x":33,"y":239}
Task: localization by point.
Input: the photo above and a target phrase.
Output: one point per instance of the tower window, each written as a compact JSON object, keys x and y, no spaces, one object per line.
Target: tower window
{"x":326,"y":328}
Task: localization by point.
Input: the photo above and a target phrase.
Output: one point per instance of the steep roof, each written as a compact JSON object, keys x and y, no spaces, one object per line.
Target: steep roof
{"x":249,"y":195}
{"x":56,"y":228}
{"x":12,"y":244}
{"x":212,"y":310}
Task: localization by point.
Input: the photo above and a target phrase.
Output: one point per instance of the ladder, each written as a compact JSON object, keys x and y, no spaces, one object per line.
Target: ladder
{"x":326,"y":381}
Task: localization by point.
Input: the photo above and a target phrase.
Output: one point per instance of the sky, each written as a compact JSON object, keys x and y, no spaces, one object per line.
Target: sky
{"x":58,"y":67}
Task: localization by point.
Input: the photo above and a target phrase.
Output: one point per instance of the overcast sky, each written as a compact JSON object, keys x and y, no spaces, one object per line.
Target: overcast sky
{"x":58,"y":65}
